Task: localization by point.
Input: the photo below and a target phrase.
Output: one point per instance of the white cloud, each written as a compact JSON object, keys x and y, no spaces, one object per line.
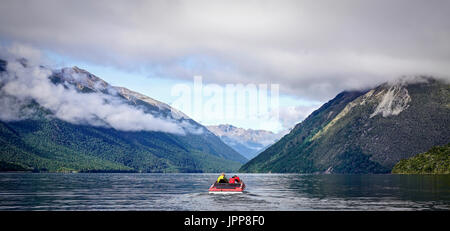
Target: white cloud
{"x":20,"y":85}
{"x":291,"y":115}
{"x":313,"y":49}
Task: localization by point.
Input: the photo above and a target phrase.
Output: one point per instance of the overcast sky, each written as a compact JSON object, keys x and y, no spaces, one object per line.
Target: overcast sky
{"x":313,"y":49}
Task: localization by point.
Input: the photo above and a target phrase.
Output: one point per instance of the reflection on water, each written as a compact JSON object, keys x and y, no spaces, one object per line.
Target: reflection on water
{"x":110,"y":191}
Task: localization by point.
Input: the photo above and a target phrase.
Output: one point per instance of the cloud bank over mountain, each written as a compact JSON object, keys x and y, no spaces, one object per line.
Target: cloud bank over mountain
{"x":25,"y":82}
{"x":313,"y":49}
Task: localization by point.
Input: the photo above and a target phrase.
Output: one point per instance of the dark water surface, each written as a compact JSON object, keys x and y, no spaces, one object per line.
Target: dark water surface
{"x":120,"y":191}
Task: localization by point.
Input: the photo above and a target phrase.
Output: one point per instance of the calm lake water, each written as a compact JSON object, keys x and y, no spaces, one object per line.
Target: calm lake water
{"x":120,"y":191}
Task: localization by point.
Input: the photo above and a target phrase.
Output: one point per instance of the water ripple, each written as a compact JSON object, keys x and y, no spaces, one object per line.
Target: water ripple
{"x":41,"y":191}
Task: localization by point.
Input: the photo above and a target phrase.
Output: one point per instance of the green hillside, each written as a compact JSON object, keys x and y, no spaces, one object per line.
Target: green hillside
{"x":53,"y":145}
{"x":45,"y":143}
{"x":364,"y":132}
{"x":434,"y":161}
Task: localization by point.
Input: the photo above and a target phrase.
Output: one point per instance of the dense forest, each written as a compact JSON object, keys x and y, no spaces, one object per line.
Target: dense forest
{"x":364,"y":131}
{"x":434,"y":161}
{"x":43,"y":142}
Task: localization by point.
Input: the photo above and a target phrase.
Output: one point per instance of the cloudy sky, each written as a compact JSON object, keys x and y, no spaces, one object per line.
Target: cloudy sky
{"x":312,"y":49}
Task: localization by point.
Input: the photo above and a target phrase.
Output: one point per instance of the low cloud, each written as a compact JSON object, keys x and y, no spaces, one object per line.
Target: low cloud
{"x":23,"y":84}
{"x":313,"y":49}
{"x":291,"y":115}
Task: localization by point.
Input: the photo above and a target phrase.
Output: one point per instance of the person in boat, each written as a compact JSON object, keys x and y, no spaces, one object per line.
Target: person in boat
{"x":235,"y":180}
{"x":222,"y":178}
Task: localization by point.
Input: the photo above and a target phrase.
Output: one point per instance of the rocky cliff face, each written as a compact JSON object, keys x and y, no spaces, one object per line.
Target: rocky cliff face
{"x":364,"y":131}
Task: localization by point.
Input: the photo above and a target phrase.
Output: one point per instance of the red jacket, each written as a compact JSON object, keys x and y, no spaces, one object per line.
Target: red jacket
{"x":234,"y":180}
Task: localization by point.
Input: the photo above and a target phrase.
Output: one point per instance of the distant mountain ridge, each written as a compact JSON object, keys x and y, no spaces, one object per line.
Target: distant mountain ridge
{"x":87,"y":82}
{"x":44,"y":142}
{"x":247,"y":142}
{"x":364,"y":131}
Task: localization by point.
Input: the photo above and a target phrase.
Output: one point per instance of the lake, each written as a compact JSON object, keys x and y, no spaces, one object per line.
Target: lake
{"x":123,"y":191}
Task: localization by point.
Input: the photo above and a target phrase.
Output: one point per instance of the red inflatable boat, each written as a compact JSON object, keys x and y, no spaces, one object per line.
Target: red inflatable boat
{"x":227,"y":188}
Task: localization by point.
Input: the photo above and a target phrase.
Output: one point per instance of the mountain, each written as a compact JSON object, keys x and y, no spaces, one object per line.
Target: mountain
{"x":434,"y":161}
{"x":364,"y":131}
{"x":151,"y":137}
{"x":247,"y":142}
